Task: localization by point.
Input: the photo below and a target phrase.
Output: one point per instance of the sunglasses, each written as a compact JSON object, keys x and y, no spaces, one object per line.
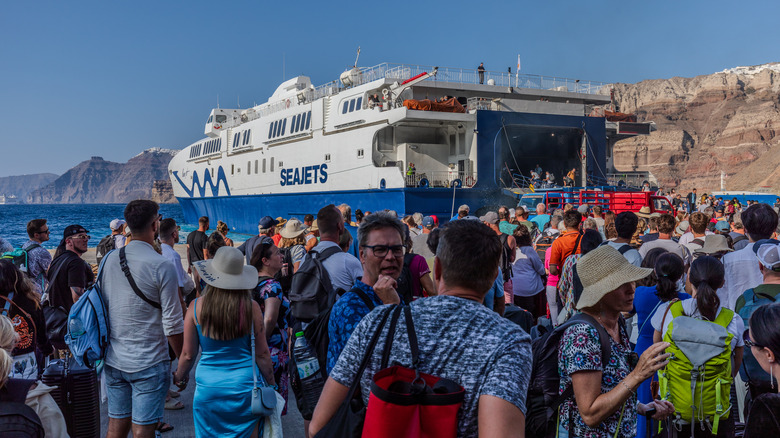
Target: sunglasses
{"x":42,"y":232}
{"x":81,"y":237}
{"x":749,"y":342}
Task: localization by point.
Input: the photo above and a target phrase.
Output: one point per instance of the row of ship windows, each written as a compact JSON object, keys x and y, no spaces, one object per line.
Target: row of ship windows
{"x":206,"y":148}
{"x":298,"y":123}
{"x":352,"y":105}
{"x":259,"y":166}
{"x":242,"y":137}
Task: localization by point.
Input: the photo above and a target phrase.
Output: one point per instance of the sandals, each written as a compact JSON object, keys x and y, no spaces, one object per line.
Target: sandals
{"x":174,"y":405}
{"x":163,"y":427}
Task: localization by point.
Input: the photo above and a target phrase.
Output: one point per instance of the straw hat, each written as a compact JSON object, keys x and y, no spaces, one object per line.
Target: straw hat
{"x":713,"y":244}
{"x":280,"y":221}
{"x":602,"y":271}
{"x":292,"y":229}
{"x":645,"y":212}
{"x":313,"y":227}
{"x":227,"y":270}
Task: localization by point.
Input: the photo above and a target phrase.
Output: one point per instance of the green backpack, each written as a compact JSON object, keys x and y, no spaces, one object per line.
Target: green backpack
{"x":697,"y":379}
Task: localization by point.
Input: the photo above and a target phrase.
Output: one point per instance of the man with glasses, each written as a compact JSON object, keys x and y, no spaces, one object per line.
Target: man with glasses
{"x":69,"y":274}
{"x":382,"y":255}
{"x":38,"y":257}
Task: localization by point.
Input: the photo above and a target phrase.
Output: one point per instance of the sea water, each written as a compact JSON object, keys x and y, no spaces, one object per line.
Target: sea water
{"x":94,"y":217}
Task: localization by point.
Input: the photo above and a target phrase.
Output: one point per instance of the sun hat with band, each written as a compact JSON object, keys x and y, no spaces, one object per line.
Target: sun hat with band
{"x":227,"y":270}
{"x":292,"y":229}
{"x":602,"y":271}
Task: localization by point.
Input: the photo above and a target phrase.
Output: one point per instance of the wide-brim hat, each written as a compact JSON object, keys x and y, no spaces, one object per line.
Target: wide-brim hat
{"x":602,"y":271}
{"x":227,"y":270}
{"x":644,"y":212}
{"x":682,"y":227}
{"x":313,"y":226}
{"x":280,"y":221}
{"x":713,"y":244}
{"x":292,"y":229}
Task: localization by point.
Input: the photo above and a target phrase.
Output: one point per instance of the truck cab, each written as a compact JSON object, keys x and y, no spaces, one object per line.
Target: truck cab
{"x":610,"y":199}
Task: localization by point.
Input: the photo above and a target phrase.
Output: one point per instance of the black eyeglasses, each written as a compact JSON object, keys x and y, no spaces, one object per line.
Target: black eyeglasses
{"x":749,"y":342}
{"x":43,"y":232}
{"x":382,"y":250}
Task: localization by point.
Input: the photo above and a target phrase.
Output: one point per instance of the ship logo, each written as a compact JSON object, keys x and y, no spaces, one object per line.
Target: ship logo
{"x":207,"y":182}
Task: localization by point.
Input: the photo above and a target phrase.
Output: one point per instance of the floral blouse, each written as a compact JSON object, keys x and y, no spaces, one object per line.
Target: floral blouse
{"x":580,"y":350}
{"x":270,"y":288}
{"x":566,"y":286}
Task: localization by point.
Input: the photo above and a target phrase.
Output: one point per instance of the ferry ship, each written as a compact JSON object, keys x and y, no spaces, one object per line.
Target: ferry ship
{"x":9,"y":200}
{"x":399,"y":137}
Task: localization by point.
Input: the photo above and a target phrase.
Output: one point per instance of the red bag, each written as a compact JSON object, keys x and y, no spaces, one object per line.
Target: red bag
{"x":407,"y":403}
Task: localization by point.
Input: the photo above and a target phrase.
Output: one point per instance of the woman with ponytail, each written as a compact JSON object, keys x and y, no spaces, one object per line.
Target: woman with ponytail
{"x":667,"y":268}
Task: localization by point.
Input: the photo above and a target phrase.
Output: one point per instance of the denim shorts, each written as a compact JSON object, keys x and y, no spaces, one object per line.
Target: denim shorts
{"x":140,"y":394}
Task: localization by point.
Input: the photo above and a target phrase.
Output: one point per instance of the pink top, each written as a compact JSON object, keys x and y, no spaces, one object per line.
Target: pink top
{"x":419,"y":267}
{"x":552,"y":280}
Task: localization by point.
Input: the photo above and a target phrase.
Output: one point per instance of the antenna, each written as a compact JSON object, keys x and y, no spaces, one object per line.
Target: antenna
{"x":217,"y":100}
{"x":284,"y":75}
{"x":357,"y":57}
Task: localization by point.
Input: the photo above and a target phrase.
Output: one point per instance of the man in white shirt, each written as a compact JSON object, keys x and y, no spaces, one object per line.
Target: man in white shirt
{"x":140,"y":289}
{"x":742,"y":271}
{"x":698,"y":223}
{"x":169,"y":236}
{"x":625,"y":225}
{"x":343,"y":268}
{"x":666,"y":225}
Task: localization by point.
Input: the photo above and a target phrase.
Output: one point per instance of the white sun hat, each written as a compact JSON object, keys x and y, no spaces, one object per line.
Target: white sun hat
{"x":227,"y":270}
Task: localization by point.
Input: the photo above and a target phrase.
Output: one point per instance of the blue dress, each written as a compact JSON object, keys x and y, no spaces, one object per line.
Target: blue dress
{"x":646,"y":302}
{"x":223,"y":393}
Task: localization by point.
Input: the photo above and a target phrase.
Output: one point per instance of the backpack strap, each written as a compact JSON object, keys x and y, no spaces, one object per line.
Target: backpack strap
{"x":724,"y":317}
{"x":363,"y":296}
{"x":126,"y":270}
{"x":389,"y":340}
{"x":663,"y":320}
{"x":739,"y":238}
{"x":321,"y":256}
{"x":624,"y":249}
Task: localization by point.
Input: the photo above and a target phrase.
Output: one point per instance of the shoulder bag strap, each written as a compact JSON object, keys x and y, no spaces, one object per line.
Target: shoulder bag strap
{"x":389,"y":340}
{"x":363,"y":296}
{"x":367,"y":356}
{"x":126,"y":270}
{"x":412,"y":338}
{"x":650,"y":316}
{"x":7,"y":309}
{"x":663,"y":320}
{"x":53,"y":277}
{"x":253,"y":361}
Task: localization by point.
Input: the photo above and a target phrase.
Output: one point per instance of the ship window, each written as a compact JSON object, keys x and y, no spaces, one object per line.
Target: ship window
{"x":219,"y":144}
{"x":359,"y":104}
{"x":221,"y":118}
{"x":352,"y":105}
{"x":263,"y":165}
{"x":270,"y":129}
{"x":297,"y":123}
{"x":284,"y":126}
{"x":235,"y":139}
{"x":327,"y":158}
{"x":346,"y":107}
{"x":360,"y":153}
{"x":308,"y":119}
{"x":248,"y":167}
{"x":212,"y":172}
{"x":280,"y":164}
{"x":255,"y":166}
{"x":232,"y":169}
{"x":272,"y":164}
{"x":211,"y":117}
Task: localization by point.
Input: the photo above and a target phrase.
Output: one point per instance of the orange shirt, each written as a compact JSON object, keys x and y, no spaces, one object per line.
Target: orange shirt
{"x":563,"y":247}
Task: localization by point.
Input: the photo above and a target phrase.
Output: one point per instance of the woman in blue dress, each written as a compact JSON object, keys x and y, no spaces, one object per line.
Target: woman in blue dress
{"x":268,"y":260}
{"x":667,"y":268}
{"x":219,"y":323}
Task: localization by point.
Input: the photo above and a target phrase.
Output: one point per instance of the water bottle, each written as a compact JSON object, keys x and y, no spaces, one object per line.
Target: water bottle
{"x":308,"y":370}
{"x":75,"y":328}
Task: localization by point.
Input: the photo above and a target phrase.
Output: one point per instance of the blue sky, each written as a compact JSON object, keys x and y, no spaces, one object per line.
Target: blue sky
{"x":84,"y":78}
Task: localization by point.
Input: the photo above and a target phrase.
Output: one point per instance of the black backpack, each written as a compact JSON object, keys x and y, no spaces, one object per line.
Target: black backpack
{"x":311,"y":291}
{"x":404,"y":283}
{"x":622,"y":250}
{"x":17,"y":420}
{"x":739,"y":238}
{"x":105,"y":245}
{"x":543,"y":397}
{"x":286,"y":280}
{"x":505,"y":263}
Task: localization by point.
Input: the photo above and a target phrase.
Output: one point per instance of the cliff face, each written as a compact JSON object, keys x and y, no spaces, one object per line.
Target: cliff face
{"x":22,"y":185}
{"x":162,"y":192}
{"x":100,"y":181}
{"x":726,"y":121}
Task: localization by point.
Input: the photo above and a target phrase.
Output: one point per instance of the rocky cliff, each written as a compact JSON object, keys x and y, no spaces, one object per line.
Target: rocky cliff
{"x":100,"y":181}
{"x":726,"y":121}
{"x":162,"y":192}
{"x":22,"y":185}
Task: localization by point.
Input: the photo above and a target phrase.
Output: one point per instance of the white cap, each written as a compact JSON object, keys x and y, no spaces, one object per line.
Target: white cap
{"x":769,"y":256}
{"x":116,"y":224}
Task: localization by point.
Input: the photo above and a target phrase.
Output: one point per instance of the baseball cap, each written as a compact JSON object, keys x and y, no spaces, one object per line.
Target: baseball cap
{"x":472,"y":218}
{"x":720,"y":209}
{"x":583,"y":209}
{"x":722,"y":226}
{"x":762,"y":242}
{"x":72,"y":230}
{"x":769,"y":256}
{"x":267,"y":222}
{"x":427,"y":221}
{"x":490,"y":217}
{"x":116,"y":224}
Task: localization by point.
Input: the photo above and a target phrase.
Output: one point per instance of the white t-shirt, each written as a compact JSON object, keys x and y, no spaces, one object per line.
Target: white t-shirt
{"x":736,"y":326}
{"x":632,"y":255}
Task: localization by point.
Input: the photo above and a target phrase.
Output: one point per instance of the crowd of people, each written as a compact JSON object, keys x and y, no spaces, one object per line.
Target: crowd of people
{"x":630,"y":301}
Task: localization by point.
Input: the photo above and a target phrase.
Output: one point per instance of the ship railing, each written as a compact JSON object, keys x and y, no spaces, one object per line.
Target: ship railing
{"x":402,"y":72}
{"x":630,"y":179}
{"x":440,"y":179}
{"x":480,"y":103}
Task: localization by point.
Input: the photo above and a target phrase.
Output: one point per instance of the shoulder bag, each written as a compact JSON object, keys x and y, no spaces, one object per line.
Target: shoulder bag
{"x":263,"y":397}
{"x":126,"y":270}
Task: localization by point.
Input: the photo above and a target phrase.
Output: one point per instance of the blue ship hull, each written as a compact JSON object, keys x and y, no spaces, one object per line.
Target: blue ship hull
{"x":242,"y":213}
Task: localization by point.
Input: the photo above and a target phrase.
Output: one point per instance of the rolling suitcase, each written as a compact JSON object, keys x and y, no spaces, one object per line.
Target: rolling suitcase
{"x":77,"y":394}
